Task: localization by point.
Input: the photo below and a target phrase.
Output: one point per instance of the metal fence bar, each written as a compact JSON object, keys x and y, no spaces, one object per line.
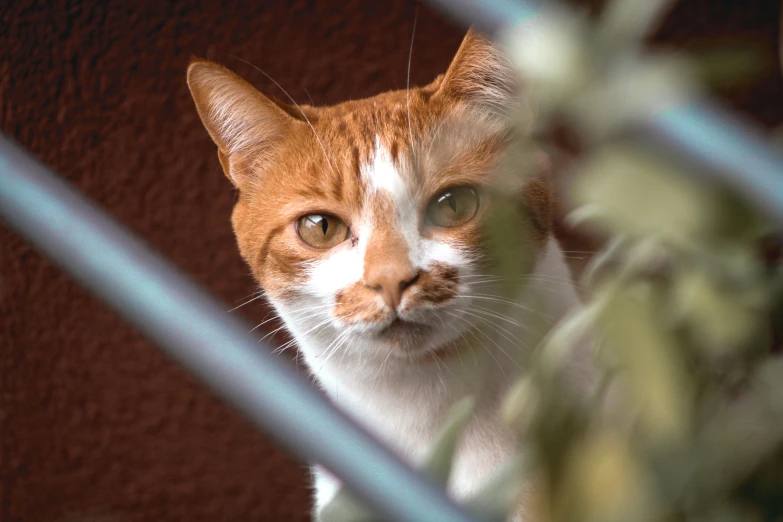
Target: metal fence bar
{"x":700,"y":131}
{"x":196,"y":331}
{"x":735,"y":153}
{"x":489,"y":16}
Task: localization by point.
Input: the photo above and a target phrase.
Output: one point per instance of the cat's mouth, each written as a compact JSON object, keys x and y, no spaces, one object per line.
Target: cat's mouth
{"x":400,"y":329}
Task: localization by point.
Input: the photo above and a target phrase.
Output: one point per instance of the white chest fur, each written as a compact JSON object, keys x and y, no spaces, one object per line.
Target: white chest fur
{"x":404,"y":405}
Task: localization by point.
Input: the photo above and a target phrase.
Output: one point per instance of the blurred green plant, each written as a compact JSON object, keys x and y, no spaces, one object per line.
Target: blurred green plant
{"x":685,"y":422}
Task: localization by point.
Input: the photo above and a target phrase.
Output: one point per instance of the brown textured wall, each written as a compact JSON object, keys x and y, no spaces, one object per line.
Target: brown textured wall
{"x":93,"y":419}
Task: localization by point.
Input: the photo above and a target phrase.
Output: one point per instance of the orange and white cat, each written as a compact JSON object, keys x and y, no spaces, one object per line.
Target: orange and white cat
{"x":363,"y":223}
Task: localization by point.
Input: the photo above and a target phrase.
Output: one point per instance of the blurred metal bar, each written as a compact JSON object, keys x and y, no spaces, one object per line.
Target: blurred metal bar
{"x":488,"y":16}
{"x":197,"y":331}
{"x":735,"y":153}
{"x":702,"y":132}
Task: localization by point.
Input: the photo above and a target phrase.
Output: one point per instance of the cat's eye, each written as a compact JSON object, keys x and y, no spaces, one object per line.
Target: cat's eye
{"x":453,"y":207}
{"x":321,"y":230}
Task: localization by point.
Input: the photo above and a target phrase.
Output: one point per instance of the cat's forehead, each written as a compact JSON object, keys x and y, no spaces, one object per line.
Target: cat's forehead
{"x":394,"y":119}
{"x":401,"y":141}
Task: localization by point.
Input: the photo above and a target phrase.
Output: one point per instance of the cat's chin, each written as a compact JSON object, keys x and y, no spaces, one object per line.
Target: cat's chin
{"x":409,"y":339}
{"x":400,"y":331}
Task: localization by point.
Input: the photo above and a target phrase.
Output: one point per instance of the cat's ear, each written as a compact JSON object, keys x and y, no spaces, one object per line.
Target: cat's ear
{"x":481,"y":73}
{"x":244,"y":124}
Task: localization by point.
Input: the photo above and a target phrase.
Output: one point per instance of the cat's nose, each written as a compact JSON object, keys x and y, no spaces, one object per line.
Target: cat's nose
{"x":391,"y":282}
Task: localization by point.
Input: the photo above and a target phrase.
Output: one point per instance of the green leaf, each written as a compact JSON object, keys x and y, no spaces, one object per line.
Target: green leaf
{"x":720,"y":320}
{"x":605,"y":482}
{"x":641,"y":196}
{"x":646,"y":355}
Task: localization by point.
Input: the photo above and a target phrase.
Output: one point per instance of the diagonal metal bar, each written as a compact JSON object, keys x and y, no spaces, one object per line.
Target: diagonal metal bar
{"x":196,"y":331}
{"x":734,"y":153}
{"x":489,"y":16}
{"x":703,"y":131}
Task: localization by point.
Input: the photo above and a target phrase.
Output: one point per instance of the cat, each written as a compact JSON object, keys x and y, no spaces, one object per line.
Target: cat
{"x":363,"y":224}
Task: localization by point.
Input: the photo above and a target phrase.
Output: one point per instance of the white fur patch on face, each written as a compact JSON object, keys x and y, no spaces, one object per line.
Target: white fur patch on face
{"x":341,"y":268}
{"x":382,"y":173}
{"x":440,"y":252}
{"x":383,"y":176}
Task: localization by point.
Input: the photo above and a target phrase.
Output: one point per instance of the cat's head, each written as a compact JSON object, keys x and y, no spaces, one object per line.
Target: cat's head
{"x":363,"y":221}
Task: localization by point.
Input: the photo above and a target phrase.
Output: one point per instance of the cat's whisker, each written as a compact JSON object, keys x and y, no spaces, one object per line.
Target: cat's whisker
{"x":265,"y":321}
{"x":561,"y":281}
{"x":489,"y":313}
{"x":280,"y":349}
{"x":382,"y":367}
{"x":327,"y":320}
{"x":504,"y":352}
{"x":442,"y":322}
{"x":516,"y":340}
{"x":471,"y":331}
{"x":459,"y":352}
{"x":499,"y":276}
{"x":439,"y":374}
{"x":254,"y":296}
{"x":509,"y":302}
{"x":480,"y":281}
{"x":273,"y":332}
{"x":530,"y":277}
{"x":467,"y":343}
{"x":343,"y":357}
{"x":559,"y":287}
{"x":337,"y":343}
{"x":408,"y":81}
{"x":295,"y":314}
{"x":437,"y":368}
{"x":505,"y":318}
{"x":523,"y":286}
{"x":309,"y":308}
{"x":283,"y":347}
{"x":308,"y":95}
{"x":333,"y":346}
{"x":505,"y":333}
